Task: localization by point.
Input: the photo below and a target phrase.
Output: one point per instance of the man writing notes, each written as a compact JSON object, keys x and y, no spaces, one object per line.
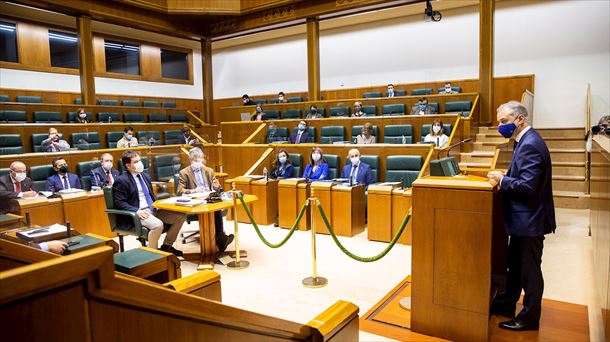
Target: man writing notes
{"x":529,"y":214}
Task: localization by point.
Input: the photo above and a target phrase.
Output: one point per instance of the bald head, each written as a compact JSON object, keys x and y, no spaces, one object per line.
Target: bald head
{"x":18,"y":166}
{"x":353,"y":153}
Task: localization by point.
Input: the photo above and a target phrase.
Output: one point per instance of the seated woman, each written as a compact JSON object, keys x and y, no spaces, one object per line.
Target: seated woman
{"x":259,"y":115}
{"x":437,"y":134}
{"x":358,"y":110}
{"x":81,"y":116}
{"x":282,"y":166}
{"x":317,"y":169}
{"x":366,"y":137}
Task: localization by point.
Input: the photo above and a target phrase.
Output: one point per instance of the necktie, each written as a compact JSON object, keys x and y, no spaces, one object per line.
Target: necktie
{"x":298,"y":138}
{"x":66,"y":184}
{"x":352,"y":174}
{"x":149,"y":200}
{"x":108,"y":178}
{"x":199,"y":179}
{"x":17,"y":187}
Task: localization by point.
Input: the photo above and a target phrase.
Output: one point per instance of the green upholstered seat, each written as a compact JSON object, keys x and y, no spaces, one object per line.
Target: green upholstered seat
{"x":84,"y":242}
{"x":260,"y":101}
{"x":393,"y":109}
{"x":13,"y":116}
{"x":461,"y":107}
{"x":144,"y":161}
{"x":28,"y":99}
{"x":131,"y":103}
{"x":4,"y":98}
{"x":371,"y":94}
{"x":274,"y":101}
{"x":370,"y":110}
{"x":4,"y":171}
{"x":404,"y":169}
{"x":78,"y":101}
{"x":434,"y":106}
{"x":166,"y":166}
{"x":321,"y":112}
{"x":72,"y":116}
{"x":341,"y":111}
{"x":144,"y":137}
{"x":150,"y":104}
{"x":294,"y":99}
{"x":277,"y":134}
{"x":425,"y":130}
{"x":333,"y":165}
{"x":272,"y":114}
{"x":37,"y":139}
{"x":392,"y":134}
{"x":292,"y":114}
{"x":83,"y":170}
{"x":136,"y":229}
{"x":86,"y":140}
{"x":134,"y":117}
{"x":44,"y":116}
{"x":109,"y":102}
{"x":178,"y":117}
{"x":357,"y":130}
{"x":108,"y":117}
{"x":421,"y":91}
{"x":297,"y":164}
{"x":112,"y":138}
{"x":455,"y":89}
{"x":330,"y":134}
{"x":310,"y":130}
{"x":10,"y":144}
{"x":400,"y":92}
{"x":171,"y":137}
{"x":126,"y":262}
{"x":39,"y":175}
{"x":168,"y":104}
{"x":157,"y":117}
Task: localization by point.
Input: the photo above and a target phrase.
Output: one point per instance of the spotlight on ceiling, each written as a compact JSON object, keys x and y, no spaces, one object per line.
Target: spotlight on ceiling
{"x":432,"y":14}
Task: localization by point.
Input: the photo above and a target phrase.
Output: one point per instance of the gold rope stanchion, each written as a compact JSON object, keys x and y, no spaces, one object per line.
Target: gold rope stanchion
{"x":314,"y":281}
{"x":236,"y":264}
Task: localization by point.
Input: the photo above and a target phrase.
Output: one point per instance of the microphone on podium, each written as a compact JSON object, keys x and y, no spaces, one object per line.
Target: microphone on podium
{"x":448,"y":149}
{"x":447,"y":166}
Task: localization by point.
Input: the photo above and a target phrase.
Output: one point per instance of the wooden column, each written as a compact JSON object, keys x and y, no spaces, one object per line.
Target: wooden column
{"x":313,"y":58}
{"x":85,"y":58}
{"x":486,"y":62}
{"x":208,"y":80}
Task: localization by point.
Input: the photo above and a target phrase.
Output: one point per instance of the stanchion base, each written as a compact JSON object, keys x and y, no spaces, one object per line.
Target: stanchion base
{"x":234,"y":265}
{"x":316,"y":282}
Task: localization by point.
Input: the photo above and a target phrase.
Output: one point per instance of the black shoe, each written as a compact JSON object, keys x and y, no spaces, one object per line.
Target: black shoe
{"x":502,"y":311}
{"x":517,"y":325}
{"x":223,"y":243}
{"x":171,"y":249}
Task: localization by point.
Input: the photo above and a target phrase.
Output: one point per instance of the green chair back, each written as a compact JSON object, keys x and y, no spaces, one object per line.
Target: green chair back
{"x":178,"y":117}
{"x":109,"y":102}
{"x":331,"y":134}
{"x":400,"y":92}
{"x":144,"y":137}
{"x":47,"y":117}
{"x":461,"y":107}
{"x":108,"y":117}
{"x":157,"y":117}
{"x":392,"y":134}
{"x":83,"y":170}
{"x":404,"y":169}
{"x":333,"y":165}
{"x":277,"y":134}
{"x":371,"y":94}
{"x":168,"y":104}
{"x":28,"y":99}
{"x":294,"y":99}
{"x":37,"y":139}
{"x":165,"y":166}
{"x":370,"y":110}
{"x":297,"y":163}
{"x":131,"y":103}
{"x":4,"y":98}
{"x":13,"y":116}
{"x":272,"y":114}
{"x":39,"y":175}
{"x":134,"y":117}
{"x":91,"y":140}
{"x":171,"y":137}
{"x":292,"y":114}
{"x":112,"y":138}
{"x":393,"y":109}
{"x":341,"y":111}
{"x":10,"y":144}
{"x":150,"y":104}
{"x":421,"y":91}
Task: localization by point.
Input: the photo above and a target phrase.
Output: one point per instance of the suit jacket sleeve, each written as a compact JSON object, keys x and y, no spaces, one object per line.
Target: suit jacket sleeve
{"x":182,"y":183}
{"x":529,"y":165}
{"x":369,"y":176}
{"x":76,"y":182}
{"x":323,"y":171}
{"x":50,"y":186}
{"x":121,"y":189}
{"x":346,"y":171}
{"x":288,"y":171}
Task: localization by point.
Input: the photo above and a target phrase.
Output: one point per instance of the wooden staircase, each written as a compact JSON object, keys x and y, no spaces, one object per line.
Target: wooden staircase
{"x":567,"y":149}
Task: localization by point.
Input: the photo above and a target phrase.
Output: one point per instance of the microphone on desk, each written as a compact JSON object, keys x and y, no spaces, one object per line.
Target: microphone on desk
{"x":28,"y":221}
{"x":448,"y":149}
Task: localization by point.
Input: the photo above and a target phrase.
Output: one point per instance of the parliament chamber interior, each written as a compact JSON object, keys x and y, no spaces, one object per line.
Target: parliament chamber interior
{"x":320,"y":170}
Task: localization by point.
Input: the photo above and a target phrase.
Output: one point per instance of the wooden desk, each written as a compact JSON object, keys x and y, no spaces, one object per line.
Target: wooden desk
{"x":344,"y":208}
{"x":292,"y":194}
{"x":387,"y":207}
{"x":43,"y":211}
{"x":207,"y":234}
{"x":10,"y":221}
{"x":148,"y":263}
{"x":458,"y":243}
{"x":265,"y":209}
{"x":86,"y":211}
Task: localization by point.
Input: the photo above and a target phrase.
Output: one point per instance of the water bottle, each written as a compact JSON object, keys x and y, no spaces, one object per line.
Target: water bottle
{"x":151,"y":141}
{"x":109,"y":118}
{"x":265,"y":174}
{"x":404,"y":139}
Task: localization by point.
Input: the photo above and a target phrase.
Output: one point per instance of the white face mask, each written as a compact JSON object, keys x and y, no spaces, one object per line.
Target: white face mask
{"x":282,"y":160}
{"x":436,"y":129}
{"x":355,"y":160}
{"x":316,"y":157}
{"x":107,"y":166}
{"x":281,"y":98}
{"x":139,"y":167}
{"x":20,"y":176}
{"x":447,"y":90}
{"x":82,"y":115}
{"x":197,"y":164}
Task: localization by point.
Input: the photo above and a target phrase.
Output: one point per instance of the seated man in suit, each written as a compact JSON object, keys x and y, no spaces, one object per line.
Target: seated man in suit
{"x":128,"y":140}
{"x":390,"y":92}
{"x":247,"y":102}
{"x":358,"y":172}
{"x":448,"y":89}
{"x":199,"y":178}
{"x":187,"y":138}
{"x":106,"y":173}
{"x":133,"y":192}
{"x":422,"y":108}
{"x":54,"y":143}
{"x":62,"y":179}
{"x":14,"y":185}
{"x":301,"y":135}
{"x":281,"y":97}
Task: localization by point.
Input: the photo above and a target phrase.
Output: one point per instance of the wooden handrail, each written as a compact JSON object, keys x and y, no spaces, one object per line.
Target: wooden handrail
{"x":201,"y":122}
{"x":252,"y":136}
{"x":260,"y":160}
{"x":333,"y":319}
{"x":475,"y":103}
{"x":203,"y":141}
{"x":425,"y":168}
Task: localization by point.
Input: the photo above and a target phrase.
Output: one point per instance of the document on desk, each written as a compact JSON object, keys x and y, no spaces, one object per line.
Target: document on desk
{"x":184,"y":201}
{"x":42,"y":233}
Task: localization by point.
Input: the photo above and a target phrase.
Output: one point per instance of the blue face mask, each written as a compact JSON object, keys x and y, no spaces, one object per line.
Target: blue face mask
{"x":422,"y":107}
{"x":507,"y":130}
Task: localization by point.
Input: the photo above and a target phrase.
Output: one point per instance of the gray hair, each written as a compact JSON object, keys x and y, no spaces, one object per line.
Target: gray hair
{"x":195,"y":153}
{"x":514,"y":107}
{"x":104,"y":155}
{"x":15,"y":164}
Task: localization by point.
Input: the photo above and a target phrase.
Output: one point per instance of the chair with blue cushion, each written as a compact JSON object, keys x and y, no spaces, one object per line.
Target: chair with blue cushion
{"x":112,"y":138}
{"x":434,"y":106}
{"x":393,"y":109}
{"x":171,"y":137}
{"x":455,"y":89}
{"x":400,"y":92}
{"x":371,"y":94}
{"x":425,"y":130}
{"x":72,"y":117}
{"x":297,"y":163}
{"x":274,"y":101}
{"x":134,"y":117}
{"x":83,"y":170}
{"x":421,"y":91}
{"x":333,"y":165}
{"x":47,"y":117}
{"x":109,"y":102}
{"x":393,"y":134}
{"x":404,"y":169}
{"x":178,"y":117}
{"x":86,"y":140}
{"x":166,"y":166}
{"x":37,"y":139}
{"x":10,"y":144}
{"x":342,"y":111}
{"x":108,"y":117}
{"x":4,"y":98}
{"x":39,"y":175}
{"x":272,"y":114}
{"x":28,"y":99}
{"x":168,"y":104}
{"x":78,"y":101}
{"x":310,"y":130}
{"x":331,"y":134}
{"x":260,"y":101}
{"x":13,"y":116}
{"x":369,"y":110}
{"x":131,"y":103}
{"x":458,"y":107}
{"x":157,"y":117}
{"x":294,"y":99}
{"x":292,"y":114}
{"x":277,"y":134}
{"x":144,"y":137}
{"x":150,"y":104}
{"x":357,"y":130}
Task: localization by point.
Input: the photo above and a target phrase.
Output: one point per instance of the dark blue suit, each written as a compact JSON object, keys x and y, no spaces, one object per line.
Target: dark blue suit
{"x":529,"y":213}
{"x":98,"y":176}
{"x":320,"y":173}
{"x":54,"y":183}
{"x":305,"y":138}
{"x":363,"y":176}
{"x":126,"y":196}
{"x":286,"y":172}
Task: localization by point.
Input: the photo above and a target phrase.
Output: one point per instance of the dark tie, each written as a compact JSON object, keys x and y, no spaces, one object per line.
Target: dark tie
{"x":149,"y":200}
{"x":352,"y":174}
{"x":17,"y":187}
{"x":108,"y":178}
{"x":65,"y":181}
{"x":298,"y":138}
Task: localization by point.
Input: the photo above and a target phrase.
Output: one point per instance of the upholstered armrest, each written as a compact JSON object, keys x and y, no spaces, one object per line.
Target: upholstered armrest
{"x":338,"y":322}
{"x":204,"y":283}
{"x":137,"y":224}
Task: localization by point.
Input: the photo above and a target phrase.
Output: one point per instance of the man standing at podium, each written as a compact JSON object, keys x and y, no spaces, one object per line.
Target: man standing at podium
{"x":529,"y":214}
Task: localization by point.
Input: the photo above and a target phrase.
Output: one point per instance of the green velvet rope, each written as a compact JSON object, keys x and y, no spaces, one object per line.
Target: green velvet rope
{"x":258,"y":232}
{"x":383,"y":253}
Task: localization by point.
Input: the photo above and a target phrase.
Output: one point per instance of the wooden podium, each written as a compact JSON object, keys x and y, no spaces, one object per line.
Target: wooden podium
{"x":458,"y":242}
{"x":292,"y":194}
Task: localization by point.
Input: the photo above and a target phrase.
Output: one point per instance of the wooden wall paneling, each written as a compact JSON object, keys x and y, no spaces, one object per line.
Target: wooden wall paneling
{"x":33,"y":45}
{"x":150,"y":62}
{"x":313,"y":58}
{"x":236,"y":159}
{"x":486,"y":62}
{"x":208,"y":81}
{"x":510,"y":88}
{"x":85,"y":58}
{"x":99,"y":54}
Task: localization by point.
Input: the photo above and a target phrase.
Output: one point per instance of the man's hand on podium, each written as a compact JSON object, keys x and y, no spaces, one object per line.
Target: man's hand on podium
{"x":495,"y":177}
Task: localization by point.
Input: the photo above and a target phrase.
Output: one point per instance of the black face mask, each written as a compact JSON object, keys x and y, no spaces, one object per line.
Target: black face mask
{"x":314,"y":111}
{"x":63,"y":169}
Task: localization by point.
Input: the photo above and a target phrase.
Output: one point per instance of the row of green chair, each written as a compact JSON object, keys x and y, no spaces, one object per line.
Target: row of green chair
{"x":415,"y":92}
{"x":393,"y":134}
{"x":131,"y":103}
{"x":20,"y":116}
{"x":289,"y":100}
{"x":399,"y":168}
